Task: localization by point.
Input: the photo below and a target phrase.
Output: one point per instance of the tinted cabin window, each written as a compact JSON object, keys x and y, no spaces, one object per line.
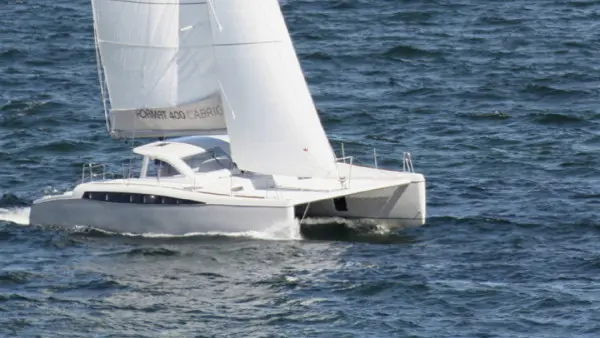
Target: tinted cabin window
{"x":119,"y":197}
{"x":211,"y":160}
{"x":161,"y":169}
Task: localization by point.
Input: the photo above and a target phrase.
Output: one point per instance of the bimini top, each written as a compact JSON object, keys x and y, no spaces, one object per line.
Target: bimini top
{"x":182,"y":147}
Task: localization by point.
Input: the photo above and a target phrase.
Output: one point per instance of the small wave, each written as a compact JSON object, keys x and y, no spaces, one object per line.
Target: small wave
{"x":318,"y":56}
{"x":5,"y":235}
{"x":16,"y":297}
{"x":12,"y":53}
{"x":583,"y":3}
{"x":413,"y":16}
{"x":557,"y":119}
{"x":499,"y":21}
{"x":343,"y":4}
{"x":587,"y":196}
{"x":27,"y":106}
{"x":16,"y":277}
{"x":496,"y":115}
{"x":59,"y":146}
{"x":469,"y":219}
{"x":408,"y":51}
{"x":15,"y":215}
{"x":101,"y":283}
{"x":419,"y":91}
{"x":152,"y":252}
{"x":574,"y":44}
{"x":479,"y":222}
{"x":543,"y":90}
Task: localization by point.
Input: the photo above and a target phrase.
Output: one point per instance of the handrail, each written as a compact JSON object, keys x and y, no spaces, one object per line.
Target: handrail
{"x":407,"y":165}
{"x":343,"y":180}
{"x":92,"y":171}
{"x":275,"y":190}
{"x":375,"y":158}
{"x":88,"y":171}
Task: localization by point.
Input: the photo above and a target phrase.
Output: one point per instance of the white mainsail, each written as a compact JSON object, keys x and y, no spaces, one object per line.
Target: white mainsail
{"x":272,"y":122}
{"x":159,"y":65}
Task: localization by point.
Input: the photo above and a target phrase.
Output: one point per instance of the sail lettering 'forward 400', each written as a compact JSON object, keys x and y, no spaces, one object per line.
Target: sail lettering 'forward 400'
{"x":206,"y":115}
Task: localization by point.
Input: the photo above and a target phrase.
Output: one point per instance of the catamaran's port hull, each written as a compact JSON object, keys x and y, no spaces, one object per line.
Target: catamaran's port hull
{"x":157,"y":219}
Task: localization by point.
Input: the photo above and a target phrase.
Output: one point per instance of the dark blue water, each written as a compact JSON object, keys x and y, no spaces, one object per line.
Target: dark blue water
{"x":498,"y":101}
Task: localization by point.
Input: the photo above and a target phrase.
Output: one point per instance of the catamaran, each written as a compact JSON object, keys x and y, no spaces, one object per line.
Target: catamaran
{"x":236,"y":141}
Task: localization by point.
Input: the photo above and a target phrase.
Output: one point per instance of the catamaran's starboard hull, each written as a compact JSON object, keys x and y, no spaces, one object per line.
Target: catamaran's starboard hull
{"x":396,"y":206}
{"x":157,"y":219}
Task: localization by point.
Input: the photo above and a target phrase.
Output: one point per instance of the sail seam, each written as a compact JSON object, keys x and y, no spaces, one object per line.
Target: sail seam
{"x":157,"y":131}
{"x":152,"y":46}
{"x":246,"y":43}
{"x":160,"y":3}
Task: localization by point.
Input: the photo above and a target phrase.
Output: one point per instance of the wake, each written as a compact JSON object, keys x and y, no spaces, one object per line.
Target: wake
{"x":15,"y":215}
{"x":286,"y":231}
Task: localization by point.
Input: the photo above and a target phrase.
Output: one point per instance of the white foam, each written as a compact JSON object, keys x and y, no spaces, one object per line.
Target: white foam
{"x":285,"y":231}
{"x":15,"y":215}
{"x":326,"y":220}
{"x":374,"y":225}
{"x":289,"y":231}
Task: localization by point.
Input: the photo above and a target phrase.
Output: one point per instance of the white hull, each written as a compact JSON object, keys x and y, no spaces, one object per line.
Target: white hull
{"x":228,"y":200}
{"x":396,"y":206}
{"x":157,"y":219}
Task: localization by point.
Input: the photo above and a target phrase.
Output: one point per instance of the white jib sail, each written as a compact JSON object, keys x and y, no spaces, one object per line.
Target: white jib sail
{"x":271,"y":119}
{"x":159,"y":65}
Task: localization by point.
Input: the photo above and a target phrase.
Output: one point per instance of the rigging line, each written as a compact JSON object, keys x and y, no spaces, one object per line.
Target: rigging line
{"x":214,"y":12}
{"x":226,"y":99}
{"x":100,"y":73}
{"x":132,"y":147}
{"x":305,"y":212}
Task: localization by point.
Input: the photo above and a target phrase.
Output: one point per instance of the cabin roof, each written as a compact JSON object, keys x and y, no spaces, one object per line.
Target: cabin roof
{"x":182,"y":147}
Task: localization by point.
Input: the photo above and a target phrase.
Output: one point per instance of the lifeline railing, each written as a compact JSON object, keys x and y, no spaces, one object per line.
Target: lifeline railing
{"x":90,"y":171}
{"x":346,"y":181}
{"x":407,"y":165}
{"x":93,"y":172}
{"x":274,"y":190}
